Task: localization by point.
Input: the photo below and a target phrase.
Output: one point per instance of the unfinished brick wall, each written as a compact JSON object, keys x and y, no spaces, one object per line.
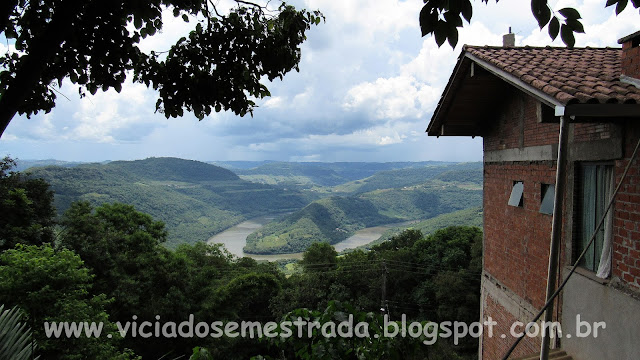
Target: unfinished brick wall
{"x":626,"y":243}
{"x":516,"y":249}
{"x":592,"y":131}
{"x":518,"y":126}
{"x":631,"y":59}
{"x":516,"y":246}
{"x":496,"y":346}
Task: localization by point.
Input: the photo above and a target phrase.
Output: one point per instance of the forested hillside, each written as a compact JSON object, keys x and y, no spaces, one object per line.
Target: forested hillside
{"x":466,"y":217}
{"x":335,"y":219}
{"x":328,"y":220}
{"x":196,"y":200}
{"x":463,"y":172}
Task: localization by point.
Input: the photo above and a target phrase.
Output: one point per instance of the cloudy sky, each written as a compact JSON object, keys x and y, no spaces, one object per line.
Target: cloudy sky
{"x":367,"y":87}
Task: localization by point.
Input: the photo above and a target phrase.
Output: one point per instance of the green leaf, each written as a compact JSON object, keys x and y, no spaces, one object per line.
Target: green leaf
{"x":554,"y":28}
{"x":15,"y":337}
{"x":452,"y":36}
{"x":576,"y":25}
{"x":541,"y":12}
{"x":467,"y":10}
{"x":440,"y":32}
{"x":570,"y":13}
{"x":137,"y":22}
{"x":185,"y":18}
{"x":566,"y":34}
{"x":426,"y":26}
{"x":455,"y":7}
{"x":611,"y":2}
{"x":453,"y":19}
{"x":622,"y":4}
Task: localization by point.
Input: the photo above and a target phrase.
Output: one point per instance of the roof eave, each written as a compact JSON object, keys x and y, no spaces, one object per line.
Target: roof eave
{"x":436,"y":125}
{"x":435,"y":118}
{"x":518,"y":83}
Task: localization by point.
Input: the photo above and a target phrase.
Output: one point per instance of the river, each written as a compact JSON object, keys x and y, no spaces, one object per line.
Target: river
{"x":235,"y":238}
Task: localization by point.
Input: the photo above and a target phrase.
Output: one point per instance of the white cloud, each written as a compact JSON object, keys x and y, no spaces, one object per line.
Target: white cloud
{"x":393,"y":98}
{"x":101,"y":116}
{"x":367,"y":87}
{"x":368,"y":20}
{"x":274,"y":102}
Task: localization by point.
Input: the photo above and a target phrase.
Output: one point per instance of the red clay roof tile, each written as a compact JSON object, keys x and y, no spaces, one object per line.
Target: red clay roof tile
{"x":578,"y":75}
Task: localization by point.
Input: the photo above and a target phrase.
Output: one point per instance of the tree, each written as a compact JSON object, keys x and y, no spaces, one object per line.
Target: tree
{"x":219,"y":65}
{"x":122,"y":248}
{"x":324,"y":341}
{"x":54,"y":286}
{"x":26,"y":206}
{"x":320,"y":256}
{"x":442,"y":18}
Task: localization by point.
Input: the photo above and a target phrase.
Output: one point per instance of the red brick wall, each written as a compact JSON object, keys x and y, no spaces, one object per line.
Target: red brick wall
{"x":517,"y":239}
{"x":516,"y":249}
{"x":518,"y":126}
{"x":496,"y":346}
{"x":630,"y":60}
{"x":591,"y":132}
{"x":626,"y":244}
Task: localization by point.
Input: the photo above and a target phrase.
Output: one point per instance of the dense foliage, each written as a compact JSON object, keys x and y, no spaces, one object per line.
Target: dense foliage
{"x":26,"y":206}
{"x":54,"y":285}
{"x":436,"y":278}
{"x":221,"y":64}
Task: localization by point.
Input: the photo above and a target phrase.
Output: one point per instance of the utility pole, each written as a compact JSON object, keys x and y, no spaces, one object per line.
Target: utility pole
{"x":556,"y":233}
{"x":384,"y":304}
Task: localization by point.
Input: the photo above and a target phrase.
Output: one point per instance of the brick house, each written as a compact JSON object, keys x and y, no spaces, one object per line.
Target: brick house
{"x":514,"y":97}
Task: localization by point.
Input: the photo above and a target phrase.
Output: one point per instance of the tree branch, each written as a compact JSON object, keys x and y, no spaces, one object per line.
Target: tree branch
{"x":35,"y":62}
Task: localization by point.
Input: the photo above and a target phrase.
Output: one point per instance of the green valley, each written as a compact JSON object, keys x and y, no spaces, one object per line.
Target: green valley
{"x":194,"y":199}
{"x":336,"y":218}
{"x":327,"y":202}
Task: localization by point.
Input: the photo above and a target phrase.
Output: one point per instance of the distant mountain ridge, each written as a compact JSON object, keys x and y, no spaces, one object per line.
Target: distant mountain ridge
{"x":174,"y":169}
{"x":308,"y":174}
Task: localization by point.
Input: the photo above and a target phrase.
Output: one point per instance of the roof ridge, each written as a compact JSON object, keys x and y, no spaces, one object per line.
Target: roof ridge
{"x":525,"y":47}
